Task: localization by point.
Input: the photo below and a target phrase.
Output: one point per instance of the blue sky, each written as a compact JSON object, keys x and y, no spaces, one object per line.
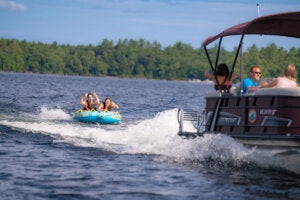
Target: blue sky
{"x":164,"y":21}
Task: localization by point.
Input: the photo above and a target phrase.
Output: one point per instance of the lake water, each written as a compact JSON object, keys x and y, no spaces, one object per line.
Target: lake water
{"x":45,"y":154}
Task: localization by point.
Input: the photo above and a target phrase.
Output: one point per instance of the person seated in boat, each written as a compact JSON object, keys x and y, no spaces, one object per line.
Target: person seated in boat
{"x":90,"y":103}
{"x":251,"y":83}
{"x":221,"y":77}
{"x":107,"y":105}
{"x":289,"y":80}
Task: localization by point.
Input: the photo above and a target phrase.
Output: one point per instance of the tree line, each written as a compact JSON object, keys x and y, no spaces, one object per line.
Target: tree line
{"x":135,"y":59}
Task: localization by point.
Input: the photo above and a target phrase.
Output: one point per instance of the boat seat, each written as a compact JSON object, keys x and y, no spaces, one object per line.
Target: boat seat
{"x":278,"y":91}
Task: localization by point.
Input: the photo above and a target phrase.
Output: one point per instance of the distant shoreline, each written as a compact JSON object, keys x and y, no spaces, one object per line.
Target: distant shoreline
{"x":111,"y":77}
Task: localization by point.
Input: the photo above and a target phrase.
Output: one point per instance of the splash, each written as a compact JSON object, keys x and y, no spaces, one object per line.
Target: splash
{"x":156,"y":136}
{"x":53,"y":114}
{"x":282,"y":160}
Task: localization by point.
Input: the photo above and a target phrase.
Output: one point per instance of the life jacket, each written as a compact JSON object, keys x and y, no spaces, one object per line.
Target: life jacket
{"x":88,"y":106}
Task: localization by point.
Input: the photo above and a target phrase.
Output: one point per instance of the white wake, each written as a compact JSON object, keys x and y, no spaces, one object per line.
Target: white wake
{"x":156,"y":136}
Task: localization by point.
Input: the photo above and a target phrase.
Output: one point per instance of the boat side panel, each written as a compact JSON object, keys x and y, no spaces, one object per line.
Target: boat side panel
{"x":256,"y":114}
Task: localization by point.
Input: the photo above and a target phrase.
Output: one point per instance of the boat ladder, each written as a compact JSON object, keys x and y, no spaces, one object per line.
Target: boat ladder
{"x":197,"y":120}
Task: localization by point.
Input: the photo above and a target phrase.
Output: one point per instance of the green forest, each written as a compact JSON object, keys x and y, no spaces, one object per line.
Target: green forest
{"x":135,"y":59}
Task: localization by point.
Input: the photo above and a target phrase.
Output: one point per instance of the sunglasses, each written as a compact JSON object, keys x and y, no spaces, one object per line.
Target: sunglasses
{"x":257,"y":73}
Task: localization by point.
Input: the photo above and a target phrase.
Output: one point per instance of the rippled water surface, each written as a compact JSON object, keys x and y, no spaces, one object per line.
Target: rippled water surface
{"x":45,"y":154}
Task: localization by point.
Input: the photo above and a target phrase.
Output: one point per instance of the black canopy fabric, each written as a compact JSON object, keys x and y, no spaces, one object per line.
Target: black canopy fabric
{"x":282,"y":24}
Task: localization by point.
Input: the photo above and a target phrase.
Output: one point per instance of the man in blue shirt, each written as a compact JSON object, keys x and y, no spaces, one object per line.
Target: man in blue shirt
{"x":250,"y":84}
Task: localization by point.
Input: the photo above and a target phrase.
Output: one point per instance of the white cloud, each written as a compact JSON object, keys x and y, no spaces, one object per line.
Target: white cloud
{"x":12,"y":5}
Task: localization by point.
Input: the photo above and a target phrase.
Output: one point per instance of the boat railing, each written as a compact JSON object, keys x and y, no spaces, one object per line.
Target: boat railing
{"x":235,"y":91}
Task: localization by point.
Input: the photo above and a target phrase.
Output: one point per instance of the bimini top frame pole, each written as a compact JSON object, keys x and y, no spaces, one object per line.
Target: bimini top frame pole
{"x":213,"y":68}
{"x":217,"y":57}
{"x":214,"y":118}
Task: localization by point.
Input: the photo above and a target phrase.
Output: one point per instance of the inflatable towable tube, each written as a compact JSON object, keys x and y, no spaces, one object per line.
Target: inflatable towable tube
{"x":108,"y":117}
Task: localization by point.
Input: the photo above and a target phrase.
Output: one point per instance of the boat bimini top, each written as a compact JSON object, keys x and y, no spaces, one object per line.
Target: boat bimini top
{"x":282,"y":24}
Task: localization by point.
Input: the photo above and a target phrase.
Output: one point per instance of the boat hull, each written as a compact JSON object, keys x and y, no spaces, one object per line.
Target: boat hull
{"x":268,"y":141}
{"x":98,"y":117}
